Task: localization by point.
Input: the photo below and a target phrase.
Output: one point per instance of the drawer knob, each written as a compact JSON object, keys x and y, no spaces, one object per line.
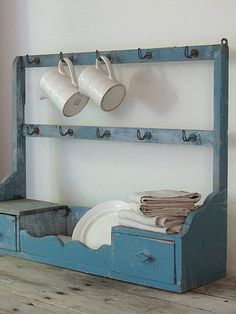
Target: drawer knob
{"x":145,"y":256}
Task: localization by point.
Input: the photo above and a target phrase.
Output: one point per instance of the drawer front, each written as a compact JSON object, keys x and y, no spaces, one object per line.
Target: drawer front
{"x":145,"y":258}
{"x":7,"y":232}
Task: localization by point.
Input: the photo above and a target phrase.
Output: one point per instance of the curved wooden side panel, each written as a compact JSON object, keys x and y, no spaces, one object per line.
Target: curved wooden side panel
{"x":71,"y":254}
{"x":204,"y":243}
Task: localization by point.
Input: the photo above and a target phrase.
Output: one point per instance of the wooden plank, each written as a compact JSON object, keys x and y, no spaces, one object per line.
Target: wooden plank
{"x":221,"y":288}
{"x":205,"y":52}
{"x":8,"y":232}
{"x":13,"y":186}
{"x":13,"y":302}
{"x":102,"y":299}
{"x":72,"y":289}
{"x":27,"y":206}
{"x":220,"y":153}
{"x":160,"y":136}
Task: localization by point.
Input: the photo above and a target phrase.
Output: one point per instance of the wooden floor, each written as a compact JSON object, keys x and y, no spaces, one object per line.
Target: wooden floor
{"x":27,"y":287}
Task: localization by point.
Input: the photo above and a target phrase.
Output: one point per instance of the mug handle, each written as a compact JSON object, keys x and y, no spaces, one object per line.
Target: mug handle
{"x":62,"y":71}
{"x":108,"y":65}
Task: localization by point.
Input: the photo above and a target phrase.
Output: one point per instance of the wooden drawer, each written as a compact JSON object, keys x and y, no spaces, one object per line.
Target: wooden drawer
{"x":145,"y":258}
{"x":7,"y":232}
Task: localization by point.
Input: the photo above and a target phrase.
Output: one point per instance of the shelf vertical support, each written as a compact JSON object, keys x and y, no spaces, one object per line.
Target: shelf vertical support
{"x":220,"y":156}
{"x":13,"y":186}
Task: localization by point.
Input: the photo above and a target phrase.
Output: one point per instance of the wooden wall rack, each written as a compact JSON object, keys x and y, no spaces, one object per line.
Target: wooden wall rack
{"x":41,"y":231}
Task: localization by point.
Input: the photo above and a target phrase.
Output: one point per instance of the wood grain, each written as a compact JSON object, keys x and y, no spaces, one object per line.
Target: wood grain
{"x":65,"y":290}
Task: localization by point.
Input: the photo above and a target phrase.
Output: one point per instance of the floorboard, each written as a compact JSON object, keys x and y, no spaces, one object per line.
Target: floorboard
{"x":28,"y":287}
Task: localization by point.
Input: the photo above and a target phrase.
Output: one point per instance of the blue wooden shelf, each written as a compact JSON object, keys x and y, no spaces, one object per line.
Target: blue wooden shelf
{"x":42,"y":231}
{"x":161,"y":136}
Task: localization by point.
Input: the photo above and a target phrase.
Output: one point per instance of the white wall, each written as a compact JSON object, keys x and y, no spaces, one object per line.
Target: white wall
{"x":176,"y":95}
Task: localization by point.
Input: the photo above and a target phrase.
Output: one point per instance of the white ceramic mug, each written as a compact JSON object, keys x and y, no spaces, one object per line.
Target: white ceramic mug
{"x":62,"y":89}
{"x":102,"y":88}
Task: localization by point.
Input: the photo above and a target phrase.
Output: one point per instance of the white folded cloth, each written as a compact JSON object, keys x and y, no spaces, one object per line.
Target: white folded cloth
{"x":159,"y":211}
{"x":137,"y":217}
{"x":134,"y":224}
{"x":164,"y":222}
{"x":169,"y":222}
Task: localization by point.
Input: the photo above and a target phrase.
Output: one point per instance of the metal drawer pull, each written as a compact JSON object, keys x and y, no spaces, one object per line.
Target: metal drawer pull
{"x":145,"y":257}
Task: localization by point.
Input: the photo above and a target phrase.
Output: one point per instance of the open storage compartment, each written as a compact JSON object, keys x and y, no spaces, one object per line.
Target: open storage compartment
{"x":41,"y":231}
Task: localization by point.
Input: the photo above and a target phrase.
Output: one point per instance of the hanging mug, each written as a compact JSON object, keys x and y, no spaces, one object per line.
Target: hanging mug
{"x":63,"y":90}
{"x":103,"y":88}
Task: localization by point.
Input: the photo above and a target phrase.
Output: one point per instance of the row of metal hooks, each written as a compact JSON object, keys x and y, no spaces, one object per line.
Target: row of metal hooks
{"x":193,"y":53}
{"x":146,"y":136}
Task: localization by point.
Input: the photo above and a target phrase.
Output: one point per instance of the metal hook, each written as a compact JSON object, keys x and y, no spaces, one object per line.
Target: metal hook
{"x":62,"y":58}
{"x":35,"y":131}
{"x":148,"y":54}
{"x":69,"y":132}
{"x":192,"y":137}
{"x":99,"y":57}
{"x":193,"y":53}
{"x":105,"y":134}
{"x":224,"y":41}
{"x":36,"y":60}
{"x":146,"y":136}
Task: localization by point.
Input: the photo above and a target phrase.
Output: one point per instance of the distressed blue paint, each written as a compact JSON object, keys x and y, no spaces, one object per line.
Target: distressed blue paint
{"x":145,"y":258}
{"x":45,"y":223}
{"x":75,"y":214}
{"x":189,"y":259}
{"x":13,"y":186}
{"x":204,"y":243}
{"x":7,"y":232}
{"x":206,"y":52}
{"x":73,"y":254}
{"x":161,"y":136}
{"x":27,"y":206}
{"x":180,"y":261}
{"x":220,"y":161}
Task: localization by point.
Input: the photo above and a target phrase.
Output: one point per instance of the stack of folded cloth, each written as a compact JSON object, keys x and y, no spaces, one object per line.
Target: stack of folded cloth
{"x":160,"y":211}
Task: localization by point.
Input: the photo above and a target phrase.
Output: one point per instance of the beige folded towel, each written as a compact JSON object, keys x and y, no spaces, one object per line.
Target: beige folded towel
{"x":164,"y":195}
{"x":164,"y":202}
{"x":163,"y":212}
{"x":136,"y":206}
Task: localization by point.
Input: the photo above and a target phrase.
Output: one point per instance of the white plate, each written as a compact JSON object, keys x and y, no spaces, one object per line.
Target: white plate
{"x":94,"y":228}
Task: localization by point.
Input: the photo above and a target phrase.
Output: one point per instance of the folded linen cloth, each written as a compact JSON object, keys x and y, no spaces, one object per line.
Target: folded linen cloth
{"x":163,"y":196}
{"x":169,"y":222}
{"x":137,"y":217}
{"x":134,"y":224}
{"x":166,"y":222}
{"x":163,"y":212}
{"x":164,"y":202}
{"x":137,"y":206}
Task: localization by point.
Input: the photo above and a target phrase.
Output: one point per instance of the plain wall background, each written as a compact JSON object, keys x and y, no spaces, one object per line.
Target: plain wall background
{"x":171,"y":95}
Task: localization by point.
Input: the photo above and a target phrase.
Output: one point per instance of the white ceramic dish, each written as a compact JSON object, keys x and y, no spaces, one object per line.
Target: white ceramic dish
{"x":94,"y":228}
